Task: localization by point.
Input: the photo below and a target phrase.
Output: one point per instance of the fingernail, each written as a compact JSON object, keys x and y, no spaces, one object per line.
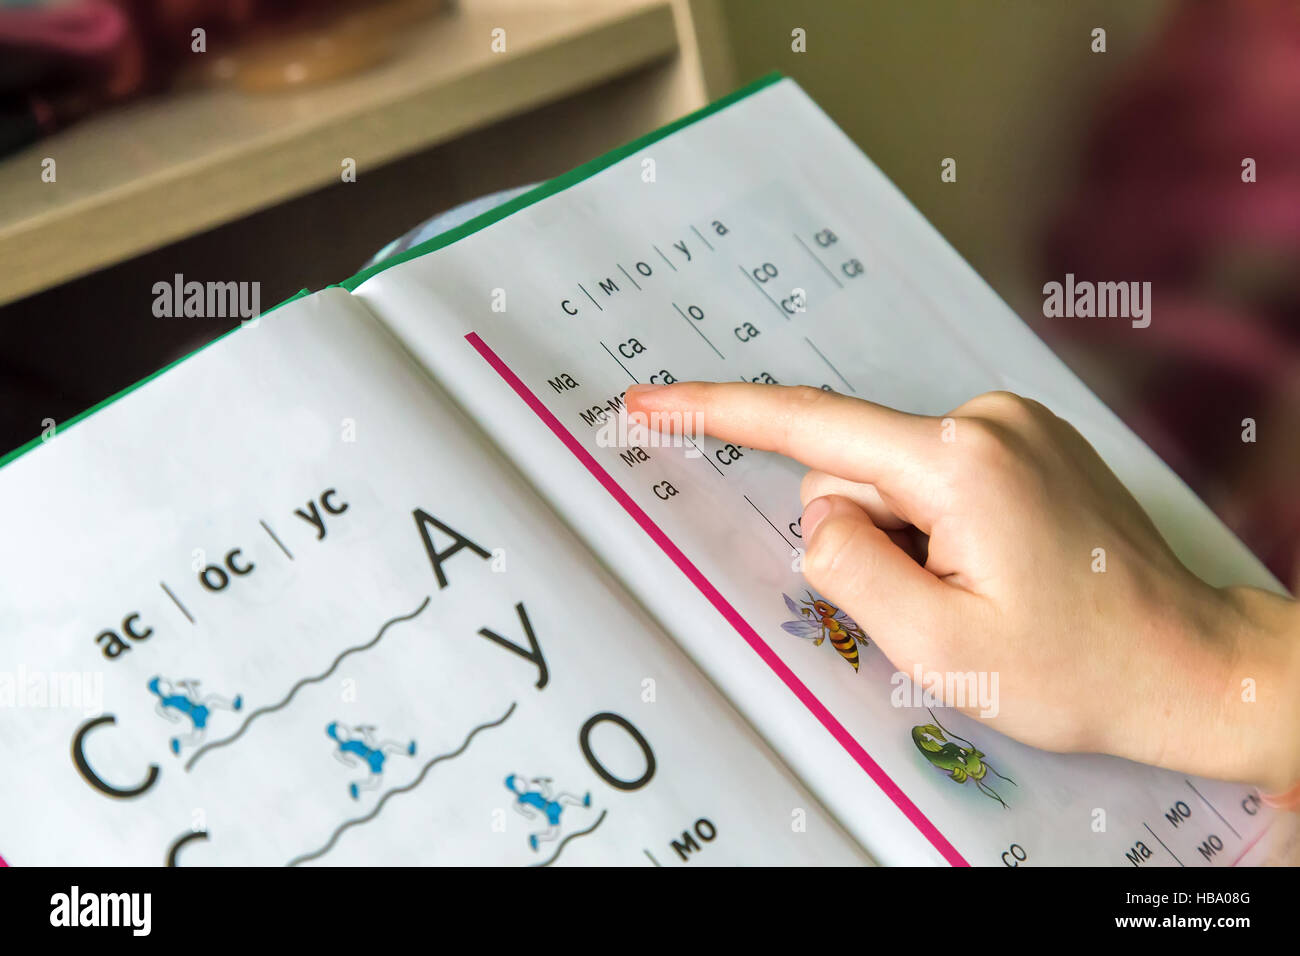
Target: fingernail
{"x":641,"y":392}
{"x":817,"y":509}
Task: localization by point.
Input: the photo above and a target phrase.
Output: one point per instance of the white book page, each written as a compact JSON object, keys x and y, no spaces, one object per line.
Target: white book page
{"x":760,"y":244}
{"x":343,"y":631}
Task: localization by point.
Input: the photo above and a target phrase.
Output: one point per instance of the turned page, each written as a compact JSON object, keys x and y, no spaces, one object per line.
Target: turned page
{"x":758,"y":243}
{"x":283,"y":605}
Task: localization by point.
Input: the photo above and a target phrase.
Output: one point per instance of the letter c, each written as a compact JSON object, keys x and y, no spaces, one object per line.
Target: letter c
{"x":94,"y":779}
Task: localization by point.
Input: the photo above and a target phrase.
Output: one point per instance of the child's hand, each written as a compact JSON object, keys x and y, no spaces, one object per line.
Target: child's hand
{"x":1039,"y":566}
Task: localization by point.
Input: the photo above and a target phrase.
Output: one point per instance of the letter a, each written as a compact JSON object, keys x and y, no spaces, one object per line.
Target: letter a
{"x":438,"y":558}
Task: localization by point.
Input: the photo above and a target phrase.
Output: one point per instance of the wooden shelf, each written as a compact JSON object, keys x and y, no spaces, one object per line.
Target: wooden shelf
{"x":148,"y":174}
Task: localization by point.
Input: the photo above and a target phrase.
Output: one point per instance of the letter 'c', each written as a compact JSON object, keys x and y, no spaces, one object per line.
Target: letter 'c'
{"x":94,"y":779}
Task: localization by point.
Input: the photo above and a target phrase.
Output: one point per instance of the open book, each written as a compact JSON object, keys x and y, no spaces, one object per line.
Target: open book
{"x":374,"y":580}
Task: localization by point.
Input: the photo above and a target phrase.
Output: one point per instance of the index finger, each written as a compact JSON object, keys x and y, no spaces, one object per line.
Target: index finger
{"x":897,"y":452}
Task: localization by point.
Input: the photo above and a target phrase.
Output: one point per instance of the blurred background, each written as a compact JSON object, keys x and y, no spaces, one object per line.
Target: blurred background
{"x":220,"y":154}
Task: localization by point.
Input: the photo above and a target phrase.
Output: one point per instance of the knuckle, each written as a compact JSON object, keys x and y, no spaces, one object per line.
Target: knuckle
{"x":809,"y":487}
{"x":806,"y":396}
{"x":1001,"y":425}
{"x":1006,"y":406}
{"x":802,"y":403}
{"x":837,"y":540}
{"x":1022,"y":414}
{"x":982,"y":440}
{"x":812,"y":486}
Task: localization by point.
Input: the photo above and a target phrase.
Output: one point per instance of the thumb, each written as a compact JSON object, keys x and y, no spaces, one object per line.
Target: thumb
{"x":904,"y":608}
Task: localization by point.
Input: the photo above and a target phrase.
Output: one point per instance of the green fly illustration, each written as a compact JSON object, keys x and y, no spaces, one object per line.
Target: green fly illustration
{"x":959,"y":763}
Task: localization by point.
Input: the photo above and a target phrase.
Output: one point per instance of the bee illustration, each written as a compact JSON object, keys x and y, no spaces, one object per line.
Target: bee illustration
{"x":817,"y":620}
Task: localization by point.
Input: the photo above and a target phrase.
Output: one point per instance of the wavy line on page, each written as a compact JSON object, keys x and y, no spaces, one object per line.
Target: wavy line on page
{"x":407,"y":788}
{"x":724,"y":607}
{"x":573,"y":836}
{"x":316,"y":679}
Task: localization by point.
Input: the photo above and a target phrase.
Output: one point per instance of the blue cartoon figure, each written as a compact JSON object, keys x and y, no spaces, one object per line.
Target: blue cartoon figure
{"x":182,"y":701}
{"x":533,"y":801}
{"x":358,"y":747}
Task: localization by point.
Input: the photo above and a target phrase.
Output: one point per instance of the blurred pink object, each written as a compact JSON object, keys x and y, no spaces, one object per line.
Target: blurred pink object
{"x":90,"y":28}
{"x":1162,"y":199}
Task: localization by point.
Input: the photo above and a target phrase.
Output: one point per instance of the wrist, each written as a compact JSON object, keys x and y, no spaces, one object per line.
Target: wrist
{"x":1252,"y":732}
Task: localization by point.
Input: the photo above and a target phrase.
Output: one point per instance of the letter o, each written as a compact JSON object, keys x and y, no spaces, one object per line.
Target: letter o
{"x":223,"y":578}
{"x":584,"y":740}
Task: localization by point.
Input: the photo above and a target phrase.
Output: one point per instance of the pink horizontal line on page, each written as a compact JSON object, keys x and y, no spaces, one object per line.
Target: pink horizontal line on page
{"x":806,"y":697}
